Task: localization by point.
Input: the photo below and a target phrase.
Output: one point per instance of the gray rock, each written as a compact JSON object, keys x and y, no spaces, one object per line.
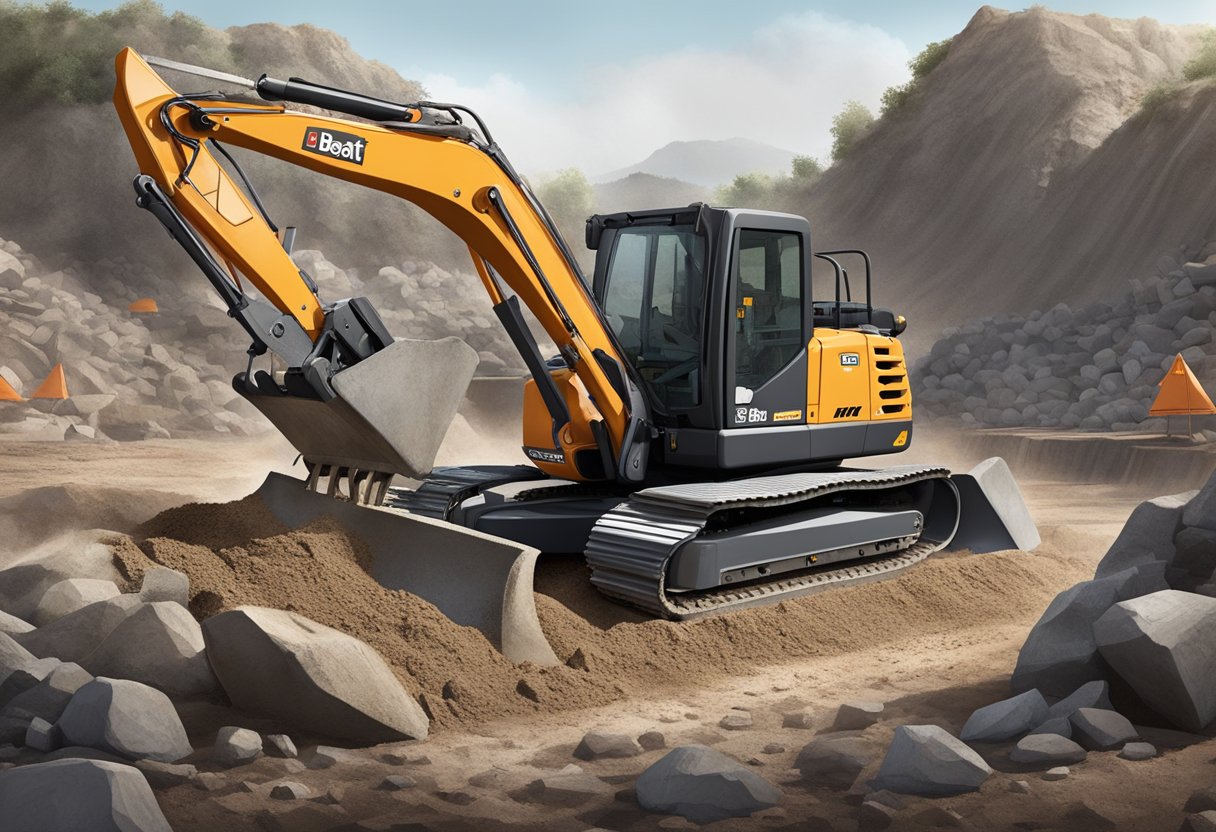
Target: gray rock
{"x":736,"y":721}
{"x":597,"y":745}
{"x":288,"y":790}
{"x":73,"y":637}
{"x":166,"y":775}
{"x":75,"y":555}
{"x":569,"y":787}
{"x":1006,"y":719}
{"x":236,"y":746}
{"x":125,"y":718}
{"x":46,"y":699}
{"x":1201,"y":800}
{"x":1200,"y":822}
{"x":1161,"y":645}
{"x":164,"y":584}
{"x":280,"y":745}
{"x":335,"y":684}
{"x":875,"y":815}
{"x":1019,"y":786}
{"x":652,"y":741}
{"x":1147,"y":535}
{"x":1061,"y":653}
{"x":1101,"y":730}
{"x":170,"y":654}
{"x":23,"y":677}
{"x":857,"y":716}
{"x":1046,"y":750}
{"x":800,"y":719}
{"x":1200,"y":510}
{"x":75,"y":795}
{"x":1195,"y":551}
{"x":1094,"y":694}
{"x":1060,"y":726}
{"x":704,"y":786}
{"x":70,"y":595}
{"x":42,"y":736}
{"x":12,"y":625}
{"x":396,"y":783}
{"x":833,"y":760}
{"x":1057,"y":773}
{"x":926,"y":760}
{"x":1138,"y":751}
{"x":326,"y":756}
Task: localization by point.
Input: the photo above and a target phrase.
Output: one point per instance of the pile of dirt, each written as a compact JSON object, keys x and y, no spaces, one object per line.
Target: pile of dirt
{"x":238,"y":554}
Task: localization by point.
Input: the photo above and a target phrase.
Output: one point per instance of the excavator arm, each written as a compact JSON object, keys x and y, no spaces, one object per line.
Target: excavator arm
{"x":598,"y":423}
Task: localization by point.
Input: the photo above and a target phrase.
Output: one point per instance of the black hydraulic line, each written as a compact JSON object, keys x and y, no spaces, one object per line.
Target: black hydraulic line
{"x":512,"y":319}
{"x":496,"y":200}
{"x":253,"y":194}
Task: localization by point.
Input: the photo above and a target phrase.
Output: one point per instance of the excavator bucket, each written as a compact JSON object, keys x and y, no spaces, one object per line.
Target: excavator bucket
{"x":389,"y":416}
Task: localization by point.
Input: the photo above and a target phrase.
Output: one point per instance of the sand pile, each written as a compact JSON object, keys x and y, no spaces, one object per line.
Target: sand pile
{"x":236,"y":553}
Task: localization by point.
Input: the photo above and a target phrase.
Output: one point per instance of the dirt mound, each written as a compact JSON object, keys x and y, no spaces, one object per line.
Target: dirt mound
{"x":236,"y":554}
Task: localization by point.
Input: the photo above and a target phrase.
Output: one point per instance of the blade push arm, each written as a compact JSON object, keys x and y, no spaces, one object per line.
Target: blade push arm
{"x":464,"y":184}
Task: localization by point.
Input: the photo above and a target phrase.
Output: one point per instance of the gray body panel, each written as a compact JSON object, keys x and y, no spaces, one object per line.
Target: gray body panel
{"x":782,"y":445}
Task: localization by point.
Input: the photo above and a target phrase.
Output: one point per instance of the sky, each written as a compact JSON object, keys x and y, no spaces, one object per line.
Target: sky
{"x":599,"y":86}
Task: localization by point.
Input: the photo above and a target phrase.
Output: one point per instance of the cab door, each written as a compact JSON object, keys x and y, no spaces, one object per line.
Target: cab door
{"x":766,"y":349}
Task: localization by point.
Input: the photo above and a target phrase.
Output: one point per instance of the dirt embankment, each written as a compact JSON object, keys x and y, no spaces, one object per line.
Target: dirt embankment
{"x":236,"y":553}
{"x":1021,"y":173}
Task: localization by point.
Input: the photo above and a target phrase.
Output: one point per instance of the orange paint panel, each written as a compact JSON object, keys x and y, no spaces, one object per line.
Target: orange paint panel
{"x":143,"y":305}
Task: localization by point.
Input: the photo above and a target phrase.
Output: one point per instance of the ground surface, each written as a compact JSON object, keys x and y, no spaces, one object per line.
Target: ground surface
{"x":932,"y":644}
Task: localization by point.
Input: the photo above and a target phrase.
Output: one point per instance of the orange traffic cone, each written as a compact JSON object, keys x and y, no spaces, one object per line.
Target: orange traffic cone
{"x":143,"y":305}
{"x":54,"y":386}
{"x":7,"y":393}
{"x":1181,"y":394}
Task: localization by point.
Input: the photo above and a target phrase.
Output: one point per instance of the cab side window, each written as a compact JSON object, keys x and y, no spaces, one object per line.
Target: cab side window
{"x":768,"y":304}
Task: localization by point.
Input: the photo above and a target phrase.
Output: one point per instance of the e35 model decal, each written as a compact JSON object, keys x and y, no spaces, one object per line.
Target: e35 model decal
{"x":345,"y":146}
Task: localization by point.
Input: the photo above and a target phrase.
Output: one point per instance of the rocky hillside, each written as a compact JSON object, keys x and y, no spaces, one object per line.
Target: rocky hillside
{"x":63,"y":151}
{"x":1022,"y":172}
{"x":1093,"y":367}
{"x":168,"y":374}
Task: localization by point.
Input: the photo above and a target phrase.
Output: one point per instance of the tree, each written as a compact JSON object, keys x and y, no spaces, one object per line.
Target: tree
{"x":849,"y":125}
{"x":569,"y":199}
{"x":807,"y":168}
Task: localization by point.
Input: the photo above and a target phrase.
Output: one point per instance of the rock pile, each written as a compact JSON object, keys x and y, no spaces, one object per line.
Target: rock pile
{"x":1093,"y":368}
{"x":168,"y":374}
{"x":1146,"y":620}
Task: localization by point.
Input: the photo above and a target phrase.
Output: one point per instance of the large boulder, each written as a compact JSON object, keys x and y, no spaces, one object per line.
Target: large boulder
{"x":161,"y":583}
{"x":12,"y":625}
{"x":70,"y":595}
{"x":45,"y":700}
{"x":125,"y":718}
{"x":74,"y":636}
{"x":76,"y":555}
{"x":926,"y":760}
{"x":1148,"y":535}
{"x":1164,"y":646}
{"x":597,"y":745}
{"x":74,"y":795}
{"x":282,"y":664}
{"x":1200,"y":510}
{"x":569,"y":787}
{"x":704,"y":786}
{"x":833,"y":760}
{"x":1060,"y":652}
{"x":159,"y":644}
{"x":1006,"y":719}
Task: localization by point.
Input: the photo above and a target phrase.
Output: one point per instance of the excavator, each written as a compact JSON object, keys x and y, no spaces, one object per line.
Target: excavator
{"x":688,"y":436}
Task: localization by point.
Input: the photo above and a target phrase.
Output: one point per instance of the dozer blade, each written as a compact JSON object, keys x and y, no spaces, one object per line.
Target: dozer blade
{"x":993,"y":515}
{"x":474,"y":579}
{"x":389,"y":416}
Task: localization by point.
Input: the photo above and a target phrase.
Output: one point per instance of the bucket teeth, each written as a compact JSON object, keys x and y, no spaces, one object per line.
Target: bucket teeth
{"x":357,"y":485}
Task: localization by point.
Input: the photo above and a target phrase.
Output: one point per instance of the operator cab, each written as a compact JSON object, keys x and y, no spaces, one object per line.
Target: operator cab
{"x":673,"y":283}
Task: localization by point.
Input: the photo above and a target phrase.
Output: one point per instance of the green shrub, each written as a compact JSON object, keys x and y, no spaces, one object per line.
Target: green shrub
{"x":569,"y":199}
{"x":773,"y":193}
{"x":1158,"y":94}
{"x":849,"y":125}
{"x":893,"y":98}
{"x":1203,"y":64}
{"x":806,"y":168}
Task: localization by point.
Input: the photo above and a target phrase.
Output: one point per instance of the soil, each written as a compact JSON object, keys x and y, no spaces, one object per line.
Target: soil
{"x":932,"y":644}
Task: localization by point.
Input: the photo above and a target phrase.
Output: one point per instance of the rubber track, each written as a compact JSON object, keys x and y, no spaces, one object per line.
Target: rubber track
{"x":630,"y":546}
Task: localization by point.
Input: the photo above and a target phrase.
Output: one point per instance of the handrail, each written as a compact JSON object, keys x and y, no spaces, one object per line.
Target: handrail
{"x":869,"y":298}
